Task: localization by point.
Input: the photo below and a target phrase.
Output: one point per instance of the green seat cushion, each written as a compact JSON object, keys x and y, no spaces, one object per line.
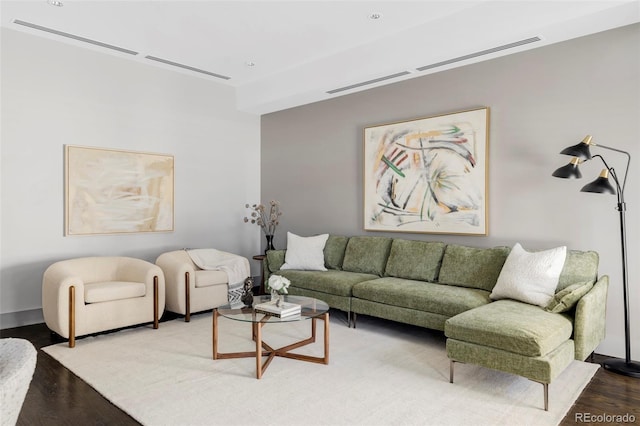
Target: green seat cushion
{"x":511,"y":326}
{"x":367,"y":255}
{"x":472,"y":267}
{"x":440,"y":299}
{"x":333,"y":282}
{"x":579,"y":266}
{"x":414,"y":260}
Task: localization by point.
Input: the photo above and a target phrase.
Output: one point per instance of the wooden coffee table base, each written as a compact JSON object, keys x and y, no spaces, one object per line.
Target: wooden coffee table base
{"x":263,"y":349}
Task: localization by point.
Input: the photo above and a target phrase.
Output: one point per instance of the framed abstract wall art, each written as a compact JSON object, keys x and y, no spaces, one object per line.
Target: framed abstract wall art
{"x":428,"y":175}
{"x":109,"y":191}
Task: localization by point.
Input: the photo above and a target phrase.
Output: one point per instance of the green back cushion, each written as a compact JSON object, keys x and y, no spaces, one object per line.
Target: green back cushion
{"x":472,"y":267}
{"x":366,"y":255}
{"x":334,"y":251}
{"x":275,"y":259}
{"x":579,"y":266}
{"x":414,"y":260}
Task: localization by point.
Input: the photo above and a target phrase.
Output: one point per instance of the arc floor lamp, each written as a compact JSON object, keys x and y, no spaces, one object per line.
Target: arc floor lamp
{"x":580,"y":153}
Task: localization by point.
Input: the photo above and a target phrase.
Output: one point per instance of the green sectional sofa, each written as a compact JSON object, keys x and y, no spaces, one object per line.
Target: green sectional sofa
{"x":447,"y":287}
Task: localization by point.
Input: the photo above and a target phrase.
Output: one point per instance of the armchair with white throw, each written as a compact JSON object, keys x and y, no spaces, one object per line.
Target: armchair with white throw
{"x":201,"y":279}
{"x":93,"y":294}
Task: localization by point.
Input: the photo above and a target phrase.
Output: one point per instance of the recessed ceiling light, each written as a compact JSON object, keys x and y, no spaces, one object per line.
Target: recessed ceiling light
{"x":375,"y":16}
{"x":55,"y":3}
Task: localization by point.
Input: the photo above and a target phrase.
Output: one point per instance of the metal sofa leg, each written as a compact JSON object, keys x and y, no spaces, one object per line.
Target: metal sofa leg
{"x":72,"y":316}
{"x":187,"y":298}
{"x":451,"y":362}
{"x":546,"y":396}
{"x":355,"y":316}
{"x":155,"y":302}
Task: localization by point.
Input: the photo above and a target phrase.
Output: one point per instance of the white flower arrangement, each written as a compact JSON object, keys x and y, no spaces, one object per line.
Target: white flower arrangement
{"x":278,"y":284}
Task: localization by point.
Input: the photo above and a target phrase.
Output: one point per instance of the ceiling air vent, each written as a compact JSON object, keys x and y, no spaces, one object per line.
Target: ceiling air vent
{"x":73,"y":36}
{"x":187,"y":67}
{"x":364,"y":83}
{"x":481,"y":53}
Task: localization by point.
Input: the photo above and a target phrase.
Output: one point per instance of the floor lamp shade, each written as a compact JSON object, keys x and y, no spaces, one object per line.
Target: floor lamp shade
{"x":601,"y":185}
{"x":580,"y":150}
{"x":571,"y":170}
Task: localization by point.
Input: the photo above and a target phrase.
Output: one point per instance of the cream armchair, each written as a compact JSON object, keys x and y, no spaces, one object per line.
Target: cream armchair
{"x":92,"y":294}
{"x":190,"y":288}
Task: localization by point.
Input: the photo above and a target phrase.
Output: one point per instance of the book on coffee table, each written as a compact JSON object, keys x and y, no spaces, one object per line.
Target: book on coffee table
{"x":285,"y":309}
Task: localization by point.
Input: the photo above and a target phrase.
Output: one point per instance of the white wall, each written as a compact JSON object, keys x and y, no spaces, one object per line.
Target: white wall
{"x":541,"y":101}
{"x":55,"y":94}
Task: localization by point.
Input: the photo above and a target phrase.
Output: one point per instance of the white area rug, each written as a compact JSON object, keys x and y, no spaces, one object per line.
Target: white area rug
{"x":381,"y":373}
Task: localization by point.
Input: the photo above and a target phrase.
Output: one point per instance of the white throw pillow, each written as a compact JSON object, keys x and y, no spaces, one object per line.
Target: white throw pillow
{"x":305,"y":253}
{"x":530,"y":277}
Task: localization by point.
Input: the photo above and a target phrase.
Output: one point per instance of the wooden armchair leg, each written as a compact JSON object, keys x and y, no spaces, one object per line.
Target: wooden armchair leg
{"x":155,"y":302}
{"x":72,"y":317}
{"x":187,"y":298}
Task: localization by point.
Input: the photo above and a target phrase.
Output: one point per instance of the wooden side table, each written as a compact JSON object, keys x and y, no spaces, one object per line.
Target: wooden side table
{"x":261,"y":258}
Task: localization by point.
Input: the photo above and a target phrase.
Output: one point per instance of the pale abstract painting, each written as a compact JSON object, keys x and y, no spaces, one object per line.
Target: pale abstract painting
{"x":111,"y":191}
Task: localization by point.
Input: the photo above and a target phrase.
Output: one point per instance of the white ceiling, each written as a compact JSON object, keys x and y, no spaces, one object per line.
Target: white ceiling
{"x":303,"y":49}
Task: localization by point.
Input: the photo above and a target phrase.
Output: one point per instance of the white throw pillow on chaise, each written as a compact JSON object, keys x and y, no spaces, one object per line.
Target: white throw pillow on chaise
{"x":530,"y":277}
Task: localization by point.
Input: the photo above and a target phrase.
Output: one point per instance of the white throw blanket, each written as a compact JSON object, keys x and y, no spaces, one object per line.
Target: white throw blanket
{"x":236,"y":267}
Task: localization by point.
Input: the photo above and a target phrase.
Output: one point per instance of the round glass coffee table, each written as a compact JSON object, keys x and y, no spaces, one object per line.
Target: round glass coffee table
{"x":311,"y":309}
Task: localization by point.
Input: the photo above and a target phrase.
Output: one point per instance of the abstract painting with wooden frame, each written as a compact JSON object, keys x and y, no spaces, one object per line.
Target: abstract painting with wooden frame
{"x":110,"y":191}
{"x":428,"y":175}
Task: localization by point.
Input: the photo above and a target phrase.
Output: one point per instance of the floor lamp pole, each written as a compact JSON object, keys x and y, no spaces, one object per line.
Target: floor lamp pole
{"x":626,"y":367}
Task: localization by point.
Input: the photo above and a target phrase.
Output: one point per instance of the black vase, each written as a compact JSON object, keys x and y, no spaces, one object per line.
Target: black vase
{"x":269,"y":243}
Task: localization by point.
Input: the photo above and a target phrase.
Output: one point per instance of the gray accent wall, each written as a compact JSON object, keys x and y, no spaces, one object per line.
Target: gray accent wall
{"x":540,"y":101}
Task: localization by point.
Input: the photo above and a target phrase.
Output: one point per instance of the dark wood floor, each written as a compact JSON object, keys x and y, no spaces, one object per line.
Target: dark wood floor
{"x":57,"y":397}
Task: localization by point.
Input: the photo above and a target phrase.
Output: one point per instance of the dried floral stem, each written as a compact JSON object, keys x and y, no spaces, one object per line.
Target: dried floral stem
{"x":269,"y":220}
